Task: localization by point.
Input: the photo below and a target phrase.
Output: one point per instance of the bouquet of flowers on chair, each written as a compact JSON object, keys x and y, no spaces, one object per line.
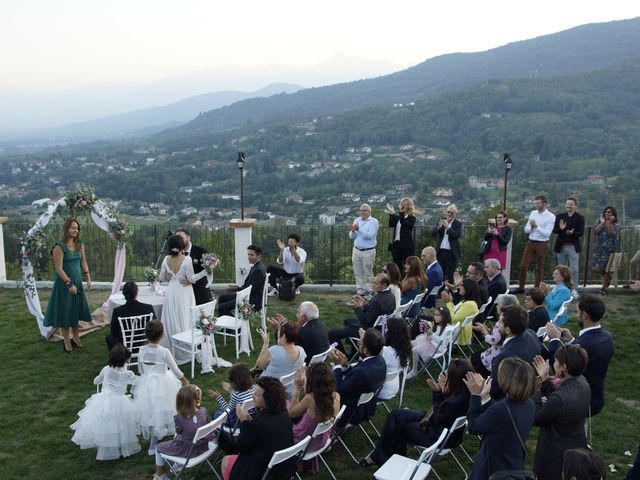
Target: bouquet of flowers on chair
{"x":151,"y":274}
{"x":250,"y":320}
{"x":205,"y":324}
{"x":210,"y":262}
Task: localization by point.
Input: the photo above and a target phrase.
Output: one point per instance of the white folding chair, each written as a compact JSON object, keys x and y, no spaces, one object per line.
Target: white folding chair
{"x":177,"y":465}
{"x":248,"y":405}
{"x":231,"y":326}
{"x":263,"y":311}
{"x":391,"y":376}
{"x":401,"y":310}
{"x":319,"y":357}
{"x":404,"y":468}
{"x":133,"y":336}
{"x":362,"y":400}
{"x":481,"y":310}
{"x":432,"y":293}
{"x":287,"y":379}
{"x":417,"y":300}
{"x":284,"y":455}
{"x":320,"y":430}
{"x":442,"y":355}
{"x":467,"y":323}
{"x":194,"y":337}
{"x":458,"y":423}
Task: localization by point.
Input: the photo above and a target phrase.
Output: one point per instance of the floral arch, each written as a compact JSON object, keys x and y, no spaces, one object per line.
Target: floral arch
{"x":76,"y":202}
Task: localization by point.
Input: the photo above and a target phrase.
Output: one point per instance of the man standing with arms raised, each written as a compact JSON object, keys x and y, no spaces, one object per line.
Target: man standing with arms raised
{"x":363,"y":232}
{"x":569,"y":227}
{"x":539,"y":228}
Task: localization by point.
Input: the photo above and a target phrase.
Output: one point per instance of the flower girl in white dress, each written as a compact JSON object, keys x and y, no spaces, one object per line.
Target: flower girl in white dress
{"x":156,"y":389}
{"x":108,"y":420}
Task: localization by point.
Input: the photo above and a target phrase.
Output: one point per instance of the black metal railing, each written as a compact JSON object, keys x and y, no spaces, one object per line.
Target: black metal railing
{"x":328,"y":249}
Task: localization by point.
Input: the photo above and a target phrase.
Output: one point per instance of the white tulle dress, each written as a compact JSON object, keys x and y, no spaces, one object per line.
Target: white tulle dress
{"x":108,"y":420}
{"x":155,"y":391}
{"x":178,"y":300}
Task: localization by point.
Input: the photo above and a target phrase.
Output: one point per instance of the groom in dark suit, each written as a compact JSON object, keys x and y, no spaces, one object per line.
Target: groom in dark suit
{"x":597,"y":341}
{"x":256,"y":278}
{"x":200,"y":290}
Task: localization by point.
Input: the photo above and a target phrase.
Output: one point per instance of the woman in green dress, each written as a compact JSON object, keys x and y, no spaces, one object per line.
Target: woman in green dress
{"x":68,"y":302}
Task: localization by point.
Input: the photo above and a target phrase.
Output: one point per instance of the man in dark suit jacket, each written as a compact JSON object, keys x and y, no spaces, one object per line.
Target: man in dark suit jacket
{"x":496,"y":285}
{"x":435,"y":275}
{"x":256,"y":278}
{"x":313,"y":335}
{"x":519,"y":342}
{"x":200,"y":290}
{"x":365,"y":377}
{"x":383,"y":303}
{"x":131,"y":308}
{"x":597,"y":341}
{"x":448,"y":231}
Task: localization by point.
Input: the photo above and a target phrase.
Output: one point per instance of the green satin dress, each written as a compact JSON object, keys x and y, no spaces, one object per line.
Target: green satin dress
{"x":64,"y":309}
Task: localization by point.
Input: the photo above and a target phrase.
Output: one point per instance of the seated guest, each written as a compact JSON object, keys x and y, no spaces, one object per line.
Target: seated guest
{"x":292,"y":258}
{"x":468,"y":306}
{"x":261,"y":436}
{"x":519,"y":342}
{"x":383,"y":303}
{"x":423,"y":427}
{"x":475,"y":272}
{"x":396,"y":352}
{"x":483,"y":361}
{"x":435,"y":276}
{"x":562,"y":411}
{"x":256,"y":277}
{"x":505,"y":424}
{"x":392,"y":270}
{"x":497,"y":285}
{"x":320,"y":403}
{"x":538,"y":315}
{"x":285,"y":357}
{"x":131,"y":308}
{"x":559,"y":294}
{"x":597,"y":341}
{"x":583,"y":464}
{"x":431,"y":338}
{"x":313,"y":335}
{"x":365,"y":377}
{"x":413,"y":283}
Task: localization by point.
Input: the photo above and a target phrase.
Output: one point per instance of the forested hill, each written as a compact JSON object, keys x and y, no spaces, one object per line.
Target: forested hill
{"x":580,"y":49}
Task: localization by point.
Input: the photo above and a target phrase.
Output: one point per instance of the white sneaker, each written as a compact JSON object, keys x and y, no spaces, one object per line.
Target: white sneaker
{"x":151,"y":452}
{"x":160,"y":477}
{"x":297,"y":291}
{"x":273,"y":292}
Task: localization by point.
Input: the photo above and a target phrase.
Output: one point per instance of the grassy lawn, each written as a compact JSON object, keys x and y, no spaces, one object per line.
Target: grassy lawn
{"x":43,"y":389}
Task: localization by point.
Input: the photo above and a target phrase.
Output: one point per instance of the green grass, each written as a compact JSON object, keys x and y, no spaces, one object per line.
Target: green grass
{"x":43,"y":389}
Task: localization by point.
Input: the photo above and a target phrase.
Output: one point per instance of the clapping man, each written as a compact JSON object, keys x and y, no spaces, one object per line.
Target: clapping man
{"x":363,"y":231}
{"x":569,"y":227}
{"x":292,"y":258}
{"x":448,"y":230}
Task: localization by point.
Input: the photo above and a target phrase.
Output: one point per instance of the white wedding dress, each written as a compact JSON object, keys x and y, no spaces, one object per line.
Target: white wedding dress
{"x":178,"y":300}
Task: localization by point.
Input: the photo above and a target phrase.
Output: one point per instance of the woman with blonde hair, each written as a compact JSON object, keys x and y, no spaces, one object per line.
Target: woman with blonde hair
{"x":68,"y":302}
{"x":403,"y":244}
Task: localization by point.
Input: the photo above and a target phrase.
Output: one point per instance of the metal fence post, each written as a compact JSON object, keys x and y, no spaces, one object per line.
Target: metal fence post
{"x":331,"y":270}
{"x":586,"y":257}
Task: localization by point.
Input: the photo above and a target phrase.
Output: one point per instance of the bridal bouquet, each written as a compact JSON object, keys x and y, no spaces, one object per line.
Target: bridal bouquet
{"x":205,"y":323}
{"x":210,"y":262}
{"x":151,"y":274}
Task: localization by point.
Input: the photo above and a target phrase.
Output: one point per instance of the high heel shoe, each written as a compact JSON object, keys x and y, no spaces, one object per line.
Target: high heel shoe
{"x":65,"y":349}
{"x":76,"y":345}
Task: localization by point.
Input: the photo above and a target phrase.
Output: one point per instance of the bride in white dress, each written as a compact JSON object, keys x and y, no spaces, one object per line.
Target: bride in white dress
{"x":177,"y":269}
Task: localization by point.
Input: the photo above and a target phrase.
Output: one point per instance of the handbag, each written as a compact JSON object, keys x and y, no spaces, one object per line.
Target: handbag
{"x":484,"y":248}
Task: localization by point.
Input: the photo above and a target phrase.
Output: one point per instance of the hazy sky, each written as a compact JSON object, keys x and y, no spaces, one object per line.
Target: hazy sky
{"x":59,"y":44}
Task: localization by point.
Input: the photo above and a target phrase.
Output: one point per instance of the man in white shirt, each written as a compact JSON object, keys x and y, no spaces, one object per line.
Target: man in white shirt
{"x":292,"y":258}
{"x":363,"y":231}
{"x":539,"y":228}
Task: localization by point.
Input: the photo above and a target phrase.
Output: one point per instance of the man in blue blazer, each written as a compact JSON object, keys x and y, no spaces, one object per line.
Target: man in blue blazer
{"x":597,"y":341}
{"x":365,"y":377}
{"x":519,"y":342}
{"x":435,"y":275}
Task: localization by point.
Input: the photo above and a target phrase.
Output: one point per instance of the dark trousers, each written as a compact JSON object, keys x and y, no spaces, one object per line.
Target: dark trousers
{"x":400,"y":255}
{"x":402,"y":428}
{"x":351,"y":326}
{"x":478,"y":366}
{"x":112,"y":341}
{"x":226,"y":304}
{"x":533,"y":250}
{"x":448,"y":263}
{"x":277,"y":273}
{"x":634,"y":473}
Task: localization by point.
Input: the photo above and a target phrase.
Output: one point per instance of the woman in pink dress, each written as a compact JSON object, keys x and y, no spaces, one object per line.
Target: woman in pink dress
{"x":498,"y":235}
{"x":320,"y":403}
